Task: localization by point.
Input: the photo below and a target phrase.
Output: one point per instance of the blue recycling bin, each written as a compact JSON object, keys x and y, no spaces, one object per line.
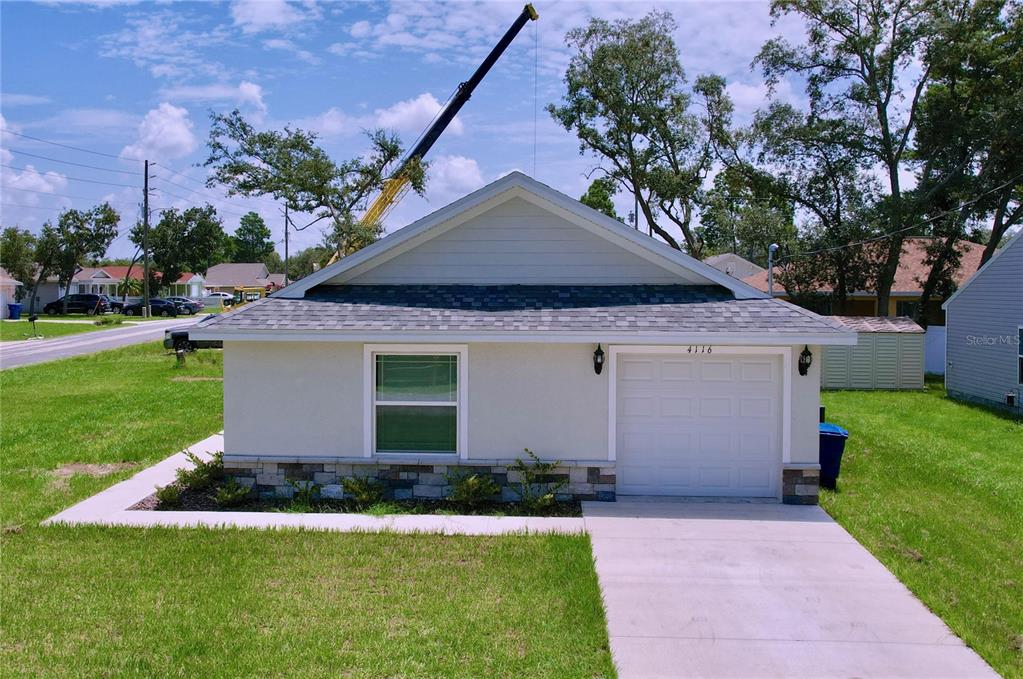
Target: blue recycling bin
{"x":832,"y":446}
{"x":14,"y":311}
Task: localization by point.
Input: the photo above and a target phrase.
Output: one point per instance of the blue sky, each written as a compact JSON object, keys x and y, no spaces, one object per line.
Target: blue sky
{"x":137,"y":80}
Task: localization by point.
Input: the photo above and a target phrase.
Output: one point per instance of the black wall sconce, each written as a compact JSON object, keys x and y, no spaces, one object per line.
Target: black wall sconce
{"x":598,"y":360}
{"x":805,"y":360}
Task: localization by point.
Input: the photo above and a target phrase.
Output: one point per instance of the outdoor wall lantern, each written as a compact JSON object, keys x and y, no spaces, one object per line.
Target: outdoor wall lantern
{"x":598,"y":360}
{"x":805,"y":360}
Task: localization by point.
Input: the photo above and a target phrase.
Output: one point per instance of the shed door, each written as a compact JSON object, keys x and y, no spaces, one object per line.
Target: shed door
{"x":703,"y":425}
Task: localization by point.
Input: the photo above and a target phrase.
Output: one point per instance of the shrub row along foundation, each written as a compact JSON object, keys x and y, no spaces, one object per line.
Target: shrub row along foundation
{"x":270,"y":480}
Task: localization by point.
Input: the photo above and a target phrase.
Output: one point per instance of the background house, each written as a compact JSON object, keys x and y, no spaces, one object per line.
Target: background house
{"x":226,"y":277}
{"x":8,"y":291}
{"x":734,"y":265}
{"x":106,"y":280}
{"x":984,"y":352}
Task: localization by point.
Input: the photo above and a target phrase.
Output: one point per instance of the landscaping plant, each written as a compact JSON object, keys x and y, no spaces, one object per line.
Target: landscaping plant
{"x":306,"y":493}
{"x":231,"y":494}
{"x":472,"y":490}
{"x":537,"y":488}
{"x":364,"y":490}
{"x":203,"y":474}
{"x":168,"y":496}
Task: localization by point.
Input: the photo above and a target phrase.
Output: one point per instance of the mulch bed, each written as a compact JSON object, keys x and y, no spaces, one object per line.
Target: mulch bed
{"x":203,"y":501}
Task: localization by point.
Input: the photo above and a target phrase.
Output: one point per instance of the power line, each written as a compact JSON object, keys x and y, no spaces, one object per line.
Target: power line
{"x":76,"y":179}
{"x":67,"y":146}
{"x":48,"y":193}
{"x":32,"y":207}
{"x":917,"y":225}
{"x":180,"y":174}
{"x":68,"y":162}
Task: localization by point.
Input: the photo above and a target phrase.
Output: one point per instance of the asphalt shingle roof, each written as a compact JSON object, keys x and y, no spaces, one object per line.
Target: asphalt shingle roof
{"x":524,"y":308}
{"x":879,"y":324}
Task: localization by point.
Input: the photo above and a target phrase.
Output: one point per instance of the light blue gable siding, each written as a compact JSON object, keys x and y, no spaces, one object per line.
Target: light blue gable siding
{"x":983,"y":322}
{"x":518,"y":242}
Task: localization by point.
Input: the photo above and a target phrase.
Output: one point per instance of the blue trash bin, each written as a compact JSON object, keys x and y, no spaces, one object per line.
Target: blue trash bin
{"x":14,"y":311}
{"x":832,"y":446}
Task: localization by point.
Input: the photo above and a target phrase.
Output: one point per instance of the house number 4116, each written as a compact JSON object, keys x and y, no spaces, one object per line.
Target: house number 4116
{"x":700,"y":350}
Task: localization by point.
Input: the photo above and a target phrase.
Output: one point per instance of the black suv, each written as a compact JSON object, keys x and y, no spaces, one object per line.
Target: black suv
{"x":79,"y":304}
{"x":159,"y":307}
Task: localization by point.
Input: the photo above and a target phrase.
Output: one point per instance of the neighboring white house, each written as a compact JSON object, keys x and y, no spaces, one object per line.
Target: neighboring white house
{"x":889,"y":354}
{"x":230,"y":275}
{"x":8,"y":291}
{"x":984,"y":341}
{"x":734,"y":265}
{"x":514,"y":318}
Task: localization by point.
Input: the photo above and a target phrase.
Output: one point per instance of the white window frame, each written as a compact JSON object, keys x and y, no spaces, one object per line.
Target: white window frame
{"x":370,"y":352}
{"x":786,"y":385}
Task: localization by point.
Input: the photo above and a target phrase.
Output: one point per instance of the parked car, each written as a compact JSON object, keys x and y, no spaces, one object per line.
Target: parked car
{"x":79,"y":304}
{"x":225,"y":298}
{"x":116,"y":305}
{"x":177,"y":338}
{"x":159,"y":307}
{"x":192,"y":306}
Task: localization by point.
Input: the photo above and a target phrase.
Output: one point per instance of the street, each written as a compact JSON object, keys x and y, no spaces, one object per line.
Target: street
{"x":27,"y":352}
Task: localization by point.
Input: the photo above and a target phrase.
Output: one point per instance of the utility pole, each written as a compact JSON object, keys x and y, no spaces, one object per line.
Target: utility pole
{"x":146,"y":311}
{"x":285,"y":245}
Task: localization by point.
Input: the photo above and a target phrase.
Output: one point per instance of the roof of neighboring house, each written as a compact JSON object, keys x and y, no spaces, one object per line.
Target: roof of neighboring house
{"x":913,"y":268}
{"x":118,"y":273}
{"x":523,"y":308}
{"x":277,"y":279}
{"x":248,"y":274}
{"x":7,"y":279}
{"x":734,"y":265}
{"x":879,"y":324}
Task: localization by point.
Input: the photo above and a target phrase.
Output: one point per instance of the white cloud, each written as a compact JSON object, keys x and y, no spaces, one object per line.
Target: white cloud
{"x":412,"y":115}
{"x":289,"y":46}
{"x":453,"y":176}
{"x":331,"y":123}
{"x":254,"y":16}
{"x":88,"y":121}
{"x":9,"y":99}
{"x":165,"y":133}
{"x":360,"y":29}
{"x":163,"y":44}
{"x":244,"y":92}
{"x":32,"y":183}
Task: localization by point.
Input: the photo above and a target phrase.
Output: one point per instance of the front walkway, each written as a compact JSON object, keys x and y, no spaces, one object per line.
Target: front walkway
{"x":110,"y":508}
{"x":754,"y":590}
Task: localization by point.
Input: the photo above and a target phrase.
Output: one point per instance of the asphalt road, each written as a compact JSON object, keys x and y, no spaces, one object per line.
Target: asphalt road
{"x":27,"y":352}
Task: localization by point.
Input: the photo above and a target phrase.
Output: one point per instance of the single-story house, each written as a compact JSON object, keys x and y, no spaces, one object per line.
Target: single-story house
{"x":514,"y":318}
{"x":105,"y":280}
{"x":230,"y":275}
{"x":734,"y":265}
{"x":906,"y":288}
{"x":8,"y":291}
{"x":888,"y":354}
{"x":984,"y":342}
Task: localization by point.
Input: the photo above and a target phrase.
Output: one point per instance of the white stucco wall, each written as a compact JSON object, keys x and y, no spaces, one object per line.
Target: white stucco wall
{"x":284,"y":398}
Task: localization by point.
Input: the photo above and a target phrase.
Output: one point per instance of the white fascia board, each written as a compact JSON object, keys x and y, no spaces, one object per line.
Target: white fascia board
{"x":517,"y":184}
{"x":404,"y":337}
{"x":1012,"y":242}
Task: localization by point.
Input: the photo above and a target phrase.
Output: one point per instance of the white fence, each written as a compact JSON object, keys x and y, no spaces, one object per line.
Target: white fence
{"x":934,"y":350}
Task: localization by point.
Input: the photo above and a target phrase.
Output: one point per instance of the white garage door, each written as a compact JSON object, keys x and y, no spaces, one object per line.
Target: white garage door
{"x":699,"y":425}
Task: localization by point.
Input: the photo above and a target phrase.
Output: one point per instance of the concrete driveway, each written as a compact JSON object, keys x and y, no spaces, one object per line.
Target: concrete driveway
{"x":758,"y":590}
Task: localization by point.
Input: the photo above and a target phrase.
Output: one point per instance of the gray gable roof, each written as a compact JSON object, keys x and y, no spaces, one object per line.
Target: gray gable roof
{"x":242,"y":273}
{"x":511,"y":309}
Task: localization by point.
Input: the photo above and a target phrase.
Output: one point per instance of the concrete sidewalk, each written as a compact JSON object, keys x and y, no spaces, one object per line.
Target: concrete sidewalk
{"x":109,"y":508}
{"x":755,"y":590}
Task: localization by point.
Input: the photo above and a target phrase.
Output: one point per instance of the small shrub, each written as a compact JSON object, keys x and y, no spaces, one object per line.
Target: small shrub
{"x":385,"y":509}
{"x":168,"y":496}
{"x":231,"y":494}
{"x":108,"y":320}
{"x":536,"y":490}
{"x":472,"y":490}
{"x":204,"y":474}
{"x":365,"y":491}
{"x":306,"y":493}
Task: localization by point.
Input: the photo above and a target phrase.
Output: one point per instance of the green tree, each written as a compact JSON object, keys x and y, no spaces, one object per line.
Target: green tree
{"x":188,"y":240}
{"x":17,"y":255}
{"x":304,"y":262}
{"x":46,"y":255}
{"x":628,"y":103}
{"x":598,"y":196}
{"x":860,"y":64}
{"x":289,"y":166}
{"x":252,"y":240}
{"x":82,"y":235}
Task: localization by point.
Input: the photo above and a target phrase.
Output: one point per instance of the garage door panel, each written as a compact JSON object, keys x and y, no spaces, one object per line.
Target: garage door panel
{"x":699,"y":425}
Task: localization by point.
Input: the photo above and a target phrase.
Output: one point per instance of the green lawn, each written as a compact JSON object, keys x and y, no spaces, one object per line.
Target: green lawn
{"x":11,"y":331}
{"x":164,"y":602}
{"x":934,"y":488}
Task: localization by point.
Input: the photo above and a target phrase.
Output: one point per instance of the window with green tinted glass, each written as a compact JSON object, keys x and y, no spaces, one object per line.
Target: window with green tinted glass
{"x":416,"y":403}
